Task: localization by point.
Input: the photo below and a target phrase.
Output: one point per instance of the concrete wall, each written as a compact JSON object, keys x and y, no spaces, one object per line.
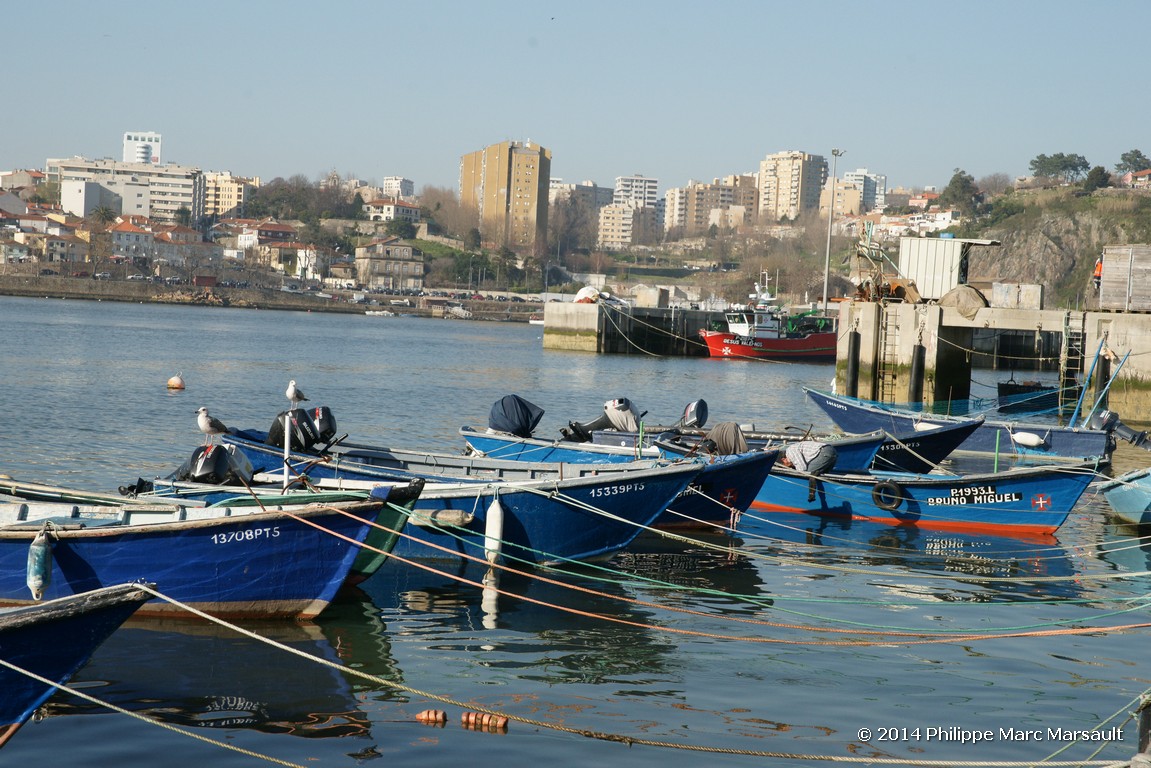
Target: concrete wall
{"x":946,"y":336}
{"x":571,"y":326}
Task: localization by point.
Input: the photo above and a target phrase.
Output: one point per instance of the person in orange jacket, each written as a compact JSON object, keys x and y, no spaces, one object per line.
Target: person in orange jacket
{"x":1098,"y":276}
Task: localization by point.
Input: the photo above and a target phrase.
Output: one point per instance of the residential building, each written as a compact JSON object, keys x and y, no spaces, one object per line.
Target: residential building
{"x":848,"y":198}
{"x":507,"y":184}
{"x":225,"y":195}
{"x":172,"y":189}
{"x":398,"y":187}
{"x":20,"y":179}
{"x":627,"y":224}
{"x":390,"y":265}
{"x":790,"y":183}
{"x":142,"y":147}
{"x":124,"y":195}
{"x":390,"y":208}
{"x":727,"y":203}
{"x":586,"y":192}
{"x":131,"y":242}
{"x":873,"y":188}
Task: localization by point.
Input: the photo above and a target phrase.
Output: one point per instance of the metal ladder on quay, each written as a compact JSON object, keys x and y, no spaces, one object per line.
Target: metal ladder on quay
{"x":888,"y":355}
{"x":1071,"y":360}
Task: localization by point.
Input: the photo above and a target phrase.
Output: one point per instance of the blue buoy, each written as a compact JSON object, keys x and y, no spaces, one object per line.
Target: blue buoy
{"x":39,"y":565}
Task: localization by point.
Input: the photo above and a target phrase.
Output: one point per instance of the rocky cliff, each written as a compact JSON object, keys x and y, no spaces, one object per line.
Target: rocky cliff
{"x":1052,"y":239}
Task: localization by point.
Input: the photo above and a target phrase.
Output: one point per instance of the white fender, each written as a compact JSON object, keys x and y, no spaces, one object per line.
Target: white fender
{"x":924,"y":426}
{"x":493,"y":530}
{"x":1027,"y":439}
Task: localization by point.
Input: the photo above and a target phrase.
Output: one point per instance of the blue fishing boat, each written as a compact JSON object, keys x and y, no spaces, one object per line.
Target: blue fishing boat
{"x":1129,"y":496}
{"x":1024,"y":499}
{"x":242,"y":562}
{"x":53,"y":640}
{"x":215,"y":464}
{"x":1039,"y":441}
{"x":616,"y":435}
{"x":568,"y":512}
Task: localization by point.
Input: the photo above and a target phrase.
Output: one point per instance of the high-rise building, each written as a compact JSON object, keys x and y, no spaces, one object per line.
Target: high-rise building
{"x":789,"y":184}
{"x":873,"y":187}
{"x":141,"y":147}
{"x":507,"y":184}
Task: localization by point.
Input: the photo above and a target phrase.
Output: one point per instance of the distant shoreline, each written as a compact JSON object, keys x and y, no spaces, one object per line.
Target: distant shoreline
{"x":88,"y":289}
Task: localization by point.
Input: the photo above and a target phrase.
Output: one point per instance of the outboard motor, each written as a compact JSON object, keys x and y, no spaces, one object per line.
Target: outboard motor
{"x":619,"y":414}
{"x":303,"y":430}
{"x":216,"y":465}
{"x":694,"y":416}
{"x":514,"y":415}
{"x":324,"y":422}
{"x":1108,"y":421}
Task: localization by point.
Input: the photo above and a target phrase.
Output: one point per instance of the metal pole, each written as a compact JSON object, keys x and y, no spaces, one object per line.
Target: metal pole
{"x":835,"y":154}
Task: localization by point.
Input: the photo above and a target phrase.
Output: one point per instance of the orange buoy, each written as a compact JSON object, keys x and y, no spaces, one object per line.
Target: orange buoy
{"x":482,"y":720}
{"x":175,"y":382}
{"x":432,"y":716}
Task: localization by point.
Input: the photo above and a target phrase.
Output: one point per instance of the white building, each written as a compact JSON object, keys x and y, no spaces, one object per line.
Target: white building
{"x":873,"y":187}
{"x":636,"y":189}
{"x":171,"y":188}
{"x":397,"y":186}
{"x":141,"y":147}
{"x":789,"y":183}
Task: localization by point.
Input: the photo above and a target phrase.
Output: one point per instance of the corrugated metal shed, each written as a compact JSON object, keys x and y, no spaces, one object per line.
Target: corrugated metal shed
{"x":936,"y":264}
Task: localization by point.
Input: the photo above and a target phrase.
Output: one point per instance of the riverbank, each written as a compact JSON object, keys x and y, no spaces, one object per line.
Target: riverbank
{"x":137,"y":292}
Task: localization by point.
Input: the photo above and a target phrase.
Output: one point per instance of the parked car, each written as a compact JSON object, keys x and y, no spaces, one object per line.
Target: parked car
{"x":47,"y":271}
{"x":103,"y":275}
{"x":137,"y":276}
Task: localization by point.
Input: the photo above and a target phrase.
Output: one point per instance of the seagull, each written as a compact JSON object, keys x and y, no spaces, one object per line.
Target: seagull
{"x":294,"y":393}
{"x":209,"y":425}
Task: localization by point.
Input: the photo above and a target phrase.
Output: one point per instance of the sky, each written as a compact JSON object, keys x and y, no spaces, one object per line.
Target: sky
{"x":672,"y":90}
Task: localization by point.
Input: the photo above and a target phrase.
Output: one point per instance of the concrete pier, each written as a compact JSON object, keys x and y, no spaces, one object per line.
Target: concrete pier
{"x":631,"y":331}
{"x":891,"y":335}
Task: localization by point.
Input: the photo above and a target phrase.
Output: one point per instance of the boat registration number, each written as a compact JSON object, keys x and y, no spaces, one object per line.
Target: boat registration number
{"x":248,"y":534}
{"x":978,"y":494}
{"x":616,"y":490}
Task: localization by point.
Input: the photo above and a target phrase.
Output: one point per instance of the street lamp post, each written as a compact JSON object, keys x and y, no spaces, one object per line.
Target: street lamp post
{"x":835,"y":155}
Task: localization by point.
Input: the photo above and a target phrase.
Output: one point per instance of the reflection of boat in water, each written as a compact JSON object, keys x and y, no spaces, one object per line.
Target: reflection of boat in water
{"x":51,"y":640}
{"x":1009,"y":560}
{"x":195,"y":674}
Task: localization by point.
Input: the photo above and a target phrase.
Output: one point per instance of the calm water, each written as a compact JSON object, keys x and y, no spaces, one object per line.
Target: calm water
{"x":750,"y":669}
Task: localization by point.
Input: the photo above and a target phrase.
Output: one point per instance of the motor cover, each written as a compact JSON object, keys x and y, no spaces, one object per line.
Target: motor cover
{"x":303,"y":434}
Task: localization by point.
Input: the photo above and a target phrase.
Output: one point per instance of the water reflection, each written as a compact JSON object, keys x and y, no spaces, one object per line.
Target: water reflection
{"x":195,"y":674}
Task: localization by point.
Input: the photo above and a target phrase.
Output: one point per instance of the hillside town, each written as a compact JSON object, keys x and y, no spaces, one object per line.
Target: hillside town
{"x":139,"y":218}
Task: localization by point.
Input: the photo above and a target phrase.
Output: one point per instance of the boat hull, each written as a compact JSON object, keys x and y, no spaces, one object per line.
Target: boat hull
{"x":264,"y":565}
{"x":544,"y":521}
{"x":1029,"y":500}
{"x":53,"y":640}
{"x":1050,"y":441}
{"x":1129,"y":497}
{"x":815,"y":347}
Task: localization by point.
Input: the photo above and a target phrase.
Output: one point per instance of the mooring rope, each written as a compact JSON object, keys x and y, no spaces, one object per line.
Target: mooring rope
{"x":168,"y":726}
{"x":612,"y":737}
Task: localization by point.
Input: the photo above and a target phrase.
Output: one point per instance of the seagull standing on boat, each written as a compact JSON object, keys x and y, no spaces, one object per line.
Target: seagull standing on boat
{"x":210,"y":425}
{"x":295,"y":394}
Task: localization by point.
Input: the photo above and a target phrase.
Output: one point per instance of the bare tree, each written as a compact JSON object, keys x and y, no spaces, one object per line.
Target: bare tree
{"x":443,"y":206}
{"x":995,"y":184}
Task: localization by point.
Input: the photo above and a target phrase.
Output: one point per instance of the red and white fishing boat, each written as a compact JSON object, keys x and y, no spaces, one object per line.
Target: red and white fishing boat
{"x":764,"y":329}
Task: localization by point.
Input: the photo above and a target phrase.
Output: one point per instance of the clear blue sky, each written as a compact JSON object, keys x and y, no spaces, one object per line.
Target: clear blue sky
{"x":671,"y":90}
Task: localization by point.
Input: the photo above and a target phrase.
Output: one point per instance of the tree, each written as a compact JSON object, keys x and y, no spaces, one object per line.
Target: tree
{"x":1096,"y":179}
{"x":401,"y":228}
{"x":961,"y":193}
{"x":1132,"y":161}
{"x":1069,"y":168}
{"x":994,"y":184}
{"x":472,"y":239}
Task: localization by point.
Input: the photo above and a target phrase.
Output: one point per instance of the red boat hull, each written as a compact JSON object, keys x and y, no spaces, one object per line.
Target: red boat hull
{"x":815,"y":347}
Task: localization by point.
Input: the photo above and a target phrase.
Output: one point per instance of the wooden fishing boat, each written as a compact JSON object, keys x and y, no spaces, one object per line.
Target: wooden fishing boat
{"x":1043,"y":441}
{"x":544,"y":514}
{"x":53,"y":640}
{"x":1024,"y":499}
{"x":1129,"y":496}
{"x":233,"y":562}
{"x":398,"y":498}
